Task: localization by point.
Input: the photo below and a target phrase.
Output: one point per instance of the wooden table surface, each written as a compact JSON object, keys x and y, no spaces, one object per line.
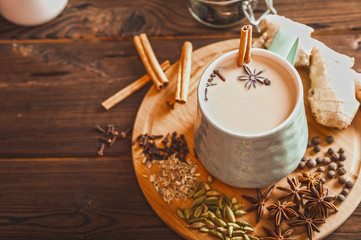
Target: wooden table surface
{"x":52,"y":80}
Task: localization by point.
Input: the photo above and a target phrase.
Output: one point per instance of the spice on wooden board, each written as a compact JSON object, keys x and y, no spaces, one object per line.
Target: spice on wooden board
{"x":309,"y":221}
{"x":176,"y":145}
{"x":215,"y":213}
{"x":174,"y":179}
{"x":259,"y":202}
{"x":280,"y":211}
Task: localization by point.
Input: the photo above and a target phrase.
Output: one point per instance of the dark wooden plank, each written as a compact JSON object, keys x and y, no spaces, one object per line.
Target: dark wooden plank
{"x":87,"y":199}
{"x":92,"y":19}
{"x":75,"y":199}
{"x":50,"y":93}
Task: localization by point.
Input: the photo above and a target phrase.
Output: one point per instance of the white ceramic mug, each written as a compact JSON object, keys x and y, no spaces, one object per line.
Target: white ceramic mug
{"x":31,"y":12}
{"x":246,"y":160}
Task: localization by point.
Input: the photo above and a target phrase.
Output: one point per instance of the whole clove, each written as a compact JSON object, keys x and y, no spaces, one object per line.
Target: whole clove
{"x":110,"y":135}
{"x":101,"y":149}
{"x":171,"y":144}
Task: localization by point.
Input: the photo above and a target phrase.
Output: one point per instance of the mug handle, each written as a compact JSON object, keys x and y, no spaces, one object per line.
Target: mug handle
{"x":248,"y":12}
{"x":285,"y":45}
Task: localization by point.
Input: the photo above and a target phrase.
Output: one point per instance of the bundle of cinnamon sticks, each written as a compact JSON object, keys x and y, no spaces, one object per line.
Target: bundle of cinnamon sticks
{"x":150,"y":61}
{"x":156,"y":70}
{"x":156,"y":73}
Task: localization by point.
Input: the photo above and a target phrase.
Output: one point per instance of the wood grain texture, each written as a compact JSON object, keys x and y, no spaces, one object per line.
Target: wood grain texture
{"x":51,"y":92}
{"x":89,"y":19}
{"x":51,"y":86}
{"x":155,"y":117}
{"x":88,"y":199}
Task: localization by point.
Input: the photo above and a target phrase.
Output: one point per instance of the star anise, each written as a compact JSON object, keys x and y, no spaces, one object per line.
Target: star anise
{"x":295,"y":191}
{"x":259,"y":202}
{"x":319,"y":202}
{"x":309,"y":221}
{"x":277,"y":234}
{"x":252,"y":77}
{"x":280,"y":211}
{"x":311,"y":179}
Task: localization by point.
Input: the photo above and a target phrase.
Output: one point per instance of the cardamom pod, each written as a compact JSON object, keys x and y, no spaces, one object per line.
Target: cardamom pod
{"x":205,"y":207}
{"x":246,"y":237}
{"x":234,"y":200}
{"x":205,"y":214}
{"x":198,"y":186}
{"x":219,"y":222}
{"x":213,"y":193}
{"x":212,"y":208}
{"x":227,"y":238}
{"x":217,"y":234}
{"x":207,"y":187}
{"x":209,"y":223}
{"x":234,"y":225}
{"x":199,"y":193}
{"x":247,"y":229}
{"x":230,"y":214}
{"x":224,"y":213}
{"x":237,"y":233}
{"x":187,"y":213}
{"x":243,"y":223}
{"x":239,"y":213}
{"x":198,"y":201}
{"x":237,"y":238}
{"x":197,"y":225}
{"x":193,"y":220}
{"x":204,"y":229}
{"x":211,"y":201}
{"x":191,"y":193}
{"x":220,"y":203}
{"x":209,"y":179}
{"x":218,"y":213}
{"x":197,"y":211}
{"x":180,"y":214}
{"x":230,"y":231}
{"x":253,"y":238}
{"x":222,"y":230}
{"x":237,"y":206}
{"x":212,"y":215}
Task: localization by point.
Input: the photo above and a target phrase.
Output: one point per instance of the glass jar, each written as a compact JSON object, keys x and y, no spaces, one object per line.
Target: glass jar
{"x":226,"y":13}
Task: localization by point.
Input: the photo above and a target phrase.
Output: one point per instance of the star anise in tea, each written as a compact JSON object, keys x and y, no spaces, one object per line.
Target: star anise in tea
{"x":277,"y":234}
{"x":295,"y":191}
{"x":318,"y":201}
{"x":309,"y":221}
{"x":280,"y":211}
{"x":259,"y":202}
{"x":252,"y":78}
{"x":311,"y":179}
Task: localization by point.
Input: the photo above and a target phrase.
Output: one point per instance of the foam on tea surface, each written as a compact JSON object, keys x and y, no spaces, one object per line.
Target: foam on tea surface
{"x":249,"y":107}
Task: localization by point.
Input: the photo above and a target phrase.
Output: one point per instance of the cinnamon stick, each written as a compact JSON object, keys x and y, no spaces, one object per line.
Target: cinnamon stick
{"x":130,"y":89}
{"x":242,"y":46}
{"x":247,"y":57}
{"x":153,"y":60}
{"x":184,"y":73}
{"x":179,"y":78}
{"x":141,"y":51}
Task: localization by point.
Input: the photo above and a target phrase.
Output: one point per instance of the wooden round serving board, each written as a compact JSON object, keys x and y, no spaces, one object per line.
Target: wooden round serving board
{"x":156,"y":117}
